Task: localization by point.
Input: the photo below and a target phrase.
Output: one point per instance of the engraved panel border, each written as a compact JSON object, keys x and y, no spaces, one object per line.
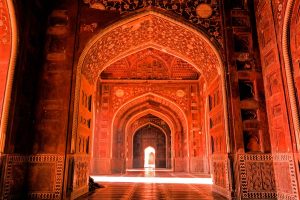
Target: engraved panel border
{"x":288,"y":160}
{"x":256,"y":186}
{"x":58,"y":161}
{"x":11,"y":162}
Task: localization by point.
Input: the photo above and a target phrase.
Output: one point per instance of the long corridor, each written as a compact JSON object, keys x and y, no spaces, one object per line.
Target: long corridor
{"x":153,"y":185}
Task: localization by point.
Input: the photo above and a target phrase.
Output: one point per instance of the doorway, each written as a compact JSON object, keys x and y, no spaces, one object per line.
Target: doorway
{"x":149,"y":157}
{"x":149,"y":148}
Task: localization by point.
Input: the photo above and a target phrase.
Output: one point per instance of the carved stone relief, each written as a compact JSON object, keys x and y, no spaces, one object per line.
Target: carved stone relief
{"x":133,"y":34}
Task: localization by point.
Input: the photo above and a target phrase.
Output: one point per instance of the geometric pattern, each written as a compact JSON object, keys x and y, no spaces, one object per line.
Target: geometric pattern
{"x":257,"y":176}
{"x":285,"y":175}
{"x":19,"y":164}
{"x":268,"y":176}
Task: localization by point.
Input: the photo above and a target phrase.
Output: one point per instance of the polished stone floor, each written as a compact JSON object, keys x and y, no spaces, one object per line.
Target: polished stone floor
{"x":134,"y":189}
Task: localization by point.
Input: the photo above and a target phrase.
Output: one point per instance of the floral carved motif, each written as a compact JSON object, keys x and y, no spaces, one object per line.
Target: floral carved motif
{"x":4,"y":23}
{"x":137,"y":90}
{"x":137,"y":34}
{"x":257,"y":176}
{"x":150,"y":119}
{"x":150,"y":64}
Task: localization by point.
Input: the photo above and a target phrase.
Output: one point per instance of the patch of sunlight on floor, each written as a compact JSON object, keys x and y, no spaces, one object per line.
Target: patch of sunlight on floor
{"x":126,"y":179}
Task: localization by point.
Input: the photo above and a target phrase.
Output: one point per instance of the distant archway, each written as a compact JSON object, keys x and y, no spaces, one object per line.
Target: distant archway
{"x":149,"y":140}
{"x":149,"y":161}
{"x":137,"y":108}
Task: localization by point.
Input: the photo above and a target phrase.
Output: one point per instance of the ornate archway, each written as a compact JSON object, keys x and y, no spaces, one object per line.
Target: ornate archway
{"x":133,"y":110}
{"x":127,"y":37}
{"x":145,"y":137}
{"x":137,"y":33}
{"x":8,"y":48}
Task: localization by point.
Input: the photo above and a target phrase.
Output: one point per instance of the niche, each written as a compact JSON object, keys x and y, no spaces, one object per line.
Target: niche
{"x":243,"y":65}
{"x":241,"y":44}
{"x":248,"y":114}
{"x":251,"y":141}
{"x":90,"y":103}
{"x":246,"y":89}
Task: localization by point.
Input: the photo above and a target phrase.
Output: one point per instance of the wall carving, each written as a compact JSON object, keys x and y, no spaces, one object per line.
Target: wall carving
{"x":190,"y":10}
{"x":150,"y":119}
{"x":273,"y":83}
{"x":257,"y":176}
{"x":16,"y":167}
{"x":5,"y":31}
{"x":88,"y":27}
{"x":56,"y":164}
{"x":218,"y":173}
{"x":150,"y":64}
{"x":221,"y":174}
{"x":79,"y":165}
{"x":285,"y":175}
{"x":136,"y":34}
{"x":135,"y":90}
{"x":8,"y":46}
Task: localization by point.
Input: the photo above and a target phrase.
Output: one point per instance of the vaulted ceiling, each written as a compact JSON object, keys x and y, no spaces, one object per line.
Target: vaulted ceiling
{"x":150,"y":64}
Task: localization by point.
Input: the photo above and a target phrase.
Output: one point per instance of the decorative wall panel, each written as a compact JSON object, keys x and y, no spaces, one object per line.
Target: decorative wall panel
{"x":45,"y":175}
{"x":221,"y":174}
{"x":257,"y":176}
{"x":48,"y":168}
{"x":14,"y":177}
{"x":285,"y":176}
{"x":80,"y":175}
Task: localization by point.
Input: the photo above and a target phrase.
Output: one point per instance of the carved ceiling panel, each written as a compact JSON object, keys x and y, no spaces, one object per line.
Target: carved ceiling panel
{"x":150,"y":30}
{"x":150,"y":64}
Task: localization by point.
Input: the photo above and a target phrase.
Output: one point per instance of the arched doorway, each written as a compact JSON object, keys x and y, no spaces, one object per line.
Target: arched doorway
{"x":149,"y":148}
{"x":149,"y":159}
{"x":128,"y":69}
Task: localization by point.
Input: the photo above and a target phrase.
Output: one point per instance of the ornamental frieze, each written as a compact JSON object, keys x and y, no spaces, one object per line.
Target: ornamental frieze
{"x":124,"y":93}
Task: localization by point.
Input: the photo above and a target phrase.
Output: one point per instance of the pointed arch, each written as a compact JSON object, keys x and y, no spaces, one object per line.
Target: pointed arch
{"x":8,"y":48}
{"x":139,"y":32}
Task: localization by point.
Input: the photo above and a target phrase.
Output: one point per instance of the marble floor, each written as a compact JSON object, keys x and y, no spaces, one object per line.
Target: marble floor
{"x":161,"y":186}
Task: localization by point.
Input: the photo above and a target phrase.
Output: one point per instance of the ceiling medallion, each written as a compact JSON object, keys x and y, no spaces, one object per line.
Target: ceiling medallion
{"x":119,"y":93}
{"x":180,"y":93}
{"x":204,"y":10}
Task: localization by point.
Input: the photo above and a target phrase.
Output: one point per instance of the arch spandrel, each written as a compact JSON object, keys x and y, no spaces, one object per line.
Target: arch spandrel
{"x":149,"y":29}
